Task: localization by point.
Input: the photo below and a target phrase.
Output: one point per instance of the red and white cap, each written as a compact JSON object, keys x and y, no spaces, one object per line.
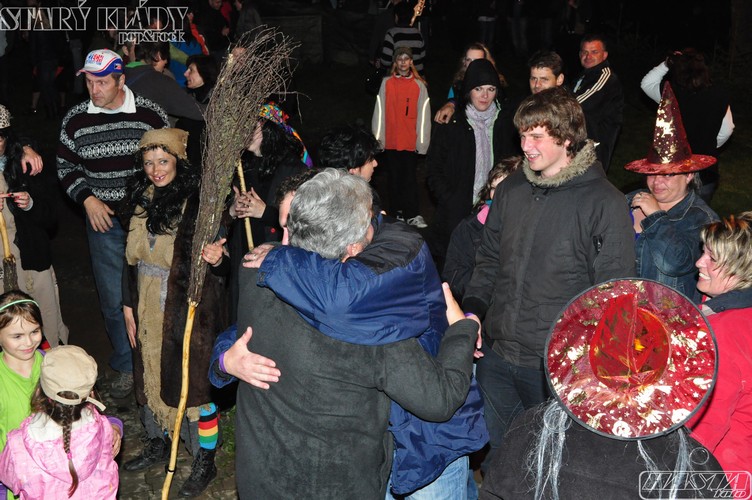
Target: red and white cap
{"x":102,"y":62}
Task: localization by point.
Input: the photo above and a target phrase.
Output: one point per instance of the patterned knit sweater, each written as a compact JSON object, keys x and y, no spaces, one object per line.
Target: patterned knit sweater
{"x":95,"y":154}
{"x":403,"y":36}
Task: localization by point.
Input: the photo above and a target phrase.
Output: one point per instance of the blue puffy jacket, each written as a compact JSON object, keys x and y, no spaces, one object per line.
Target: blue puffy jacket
{"x":389,"y":292}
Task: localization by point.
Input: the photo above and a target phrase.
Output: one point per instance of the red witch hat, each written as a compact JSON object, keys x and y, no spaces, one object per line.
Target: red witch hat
{"x":670,"y":152}
{"x":631,"y":359}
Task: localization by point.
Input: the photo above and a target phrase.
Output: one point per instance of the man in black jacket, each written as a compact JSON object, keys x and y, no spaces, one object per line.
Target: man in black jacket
{"x":556,"y":227}
{"x":599,"y":92}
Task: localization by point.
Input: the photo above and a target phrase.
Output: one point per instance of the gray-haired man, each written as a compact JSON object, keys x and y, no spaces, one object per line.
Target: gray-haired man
{"x":331,"y":405}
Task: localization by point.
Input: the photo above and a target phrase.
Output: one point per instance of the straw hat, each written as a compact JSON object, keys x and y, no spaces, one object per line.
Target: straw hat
{"x":175,"y":139}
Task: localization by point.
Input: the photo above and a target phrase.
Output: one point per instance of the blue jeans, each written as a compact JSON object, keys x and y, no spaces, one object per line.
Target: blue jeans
{"x":507,"y":391}
{"x":450,"y":485}
{"x":107,"y":259}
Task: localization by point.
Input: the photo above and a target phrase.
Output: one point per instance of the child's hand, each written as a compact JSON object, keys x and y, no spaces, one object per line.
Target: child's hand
{"x":116,"y":440}
{"x":454,"y":313}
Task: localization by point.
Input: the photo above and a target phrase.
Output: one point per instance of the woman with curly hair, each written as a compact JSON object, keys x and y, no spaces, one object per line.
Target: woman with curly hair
{"x":161,"y":207}
{"x":275,"y":153}
{"x":465,"y":238}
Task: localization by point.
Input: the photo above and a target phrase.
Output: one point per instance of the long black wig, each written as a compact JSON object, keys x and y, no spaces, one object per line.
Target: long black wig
{"x":164,"y":209}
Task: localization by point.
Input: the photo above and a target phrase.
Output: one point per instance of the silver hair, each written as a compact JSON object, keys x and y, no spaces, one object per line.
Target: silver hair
{"x":544,"y":459}
{"x":330,"y":212}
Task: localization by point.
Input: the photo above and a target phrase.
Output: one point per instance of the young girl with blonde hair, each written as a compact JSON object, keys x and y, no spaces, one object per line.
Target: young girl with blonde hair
{"x":402,"y":124}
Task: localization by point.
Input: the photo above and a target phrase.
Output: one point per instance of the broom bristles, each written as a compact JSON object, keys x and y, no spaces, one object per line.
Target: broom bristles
{"x":257,"y":68}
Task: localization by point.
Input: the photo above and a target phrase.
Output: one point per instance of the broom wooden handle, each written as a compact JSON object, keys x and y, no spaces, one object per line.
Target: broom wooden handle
{"x":183,"y":398}
{"x":4,"y":233}
{"x":248,"y":234}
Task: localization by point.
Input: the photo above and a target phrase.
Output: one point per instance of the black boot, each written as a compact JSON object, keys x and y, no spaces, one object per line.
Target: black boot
{"x":156,"y":451}
{"x":203,"y":471}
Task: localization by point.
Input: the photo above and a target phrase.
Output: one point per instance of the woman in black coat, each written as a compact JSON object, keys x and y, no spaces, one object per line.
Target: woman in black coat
{"x":462,"y":152}
{"x":274,"y":154}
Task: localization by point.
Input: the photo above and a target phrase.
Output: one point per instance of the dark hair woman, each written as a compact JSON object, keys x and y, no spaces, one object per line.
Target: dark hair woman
{"x":705,"y":107}
{"x":201,"y":76}
{"x":275,"y":153}
{"x":463,"y":151}
{"x":160,"y":208}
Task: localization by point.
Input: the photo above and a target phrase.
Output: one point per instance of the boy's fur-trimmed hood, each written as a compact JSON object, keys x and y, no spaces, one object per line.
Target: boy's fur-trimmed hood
{"x":577,"y":166}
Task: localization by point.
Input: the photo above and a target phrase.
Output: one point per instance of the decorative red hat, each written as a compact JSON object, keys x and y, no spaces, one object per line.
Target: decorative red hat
{"x":670,"y":153}
{"x":631,"y":359}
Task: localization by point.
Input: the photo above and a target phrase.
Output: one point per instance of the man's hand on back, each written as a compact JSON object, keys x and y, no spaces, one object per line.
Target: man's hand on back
{"x":247,"y":366}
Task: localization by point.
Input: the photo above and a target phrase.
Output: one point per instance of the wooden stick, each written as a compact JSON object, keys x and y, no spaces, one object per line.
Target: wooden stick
{"x":183,"y":398}
{"x":248,"y":234}
{"x":4,"y":233}
{"x":10,"y":277}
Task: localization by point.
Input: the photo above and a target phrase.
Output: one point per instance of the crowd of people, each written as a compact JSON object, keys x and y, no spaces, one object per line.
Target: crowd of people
{"x":580,"y":333}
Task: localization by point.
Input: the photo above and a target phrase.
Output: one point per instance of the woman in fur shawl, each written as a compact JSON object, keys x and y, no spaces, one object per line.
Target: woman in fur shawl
{"x":161,"y":208}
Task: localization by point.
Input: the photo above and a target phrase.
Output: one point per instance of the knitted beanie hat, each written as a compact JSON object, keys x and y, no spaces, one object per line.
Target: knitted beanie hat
{"x":480,"y":72}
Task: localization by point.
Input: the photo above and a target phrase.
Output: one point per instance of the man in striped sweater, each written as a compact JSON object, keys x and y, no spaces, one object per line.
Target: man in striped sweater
{"x":599,"y":92}
{"x":94,"y":162}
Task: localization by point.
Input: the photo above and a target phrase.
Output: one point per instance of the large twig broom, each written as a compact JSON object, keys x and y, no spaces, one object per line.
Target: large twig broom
{"x":257,"y":68}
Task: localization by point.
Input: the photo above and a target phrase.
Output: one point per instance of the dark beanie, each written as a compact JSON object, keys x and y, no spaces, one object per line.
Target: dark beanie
{"x":480,"y":72}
